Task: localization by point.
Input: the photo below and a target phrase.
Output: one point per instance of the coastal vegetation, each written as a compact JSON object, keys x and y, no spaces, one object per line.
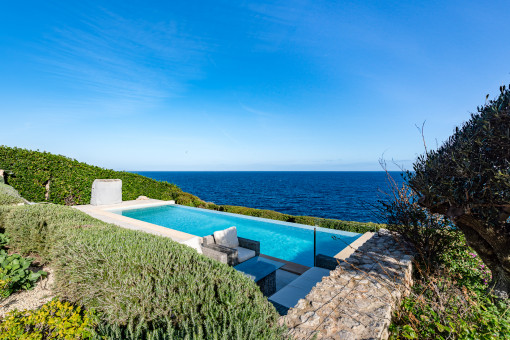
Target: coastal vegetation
{"x":467,"y":180}
{"x":454,"y":210}
{"x":139,"y":285}
{"x":44,"y":177}
{"x":15,"y":271}
{"x":449,"y":298}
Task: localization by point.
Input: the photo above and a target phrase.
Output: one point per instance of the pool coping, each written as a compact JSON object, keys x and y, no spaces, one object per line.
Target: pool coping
{"x":103,"y":213}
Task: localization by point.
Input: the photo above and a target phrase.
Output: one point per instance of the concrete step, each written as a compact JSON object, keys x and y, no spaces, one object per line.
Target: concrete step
{"x":289,"y":295}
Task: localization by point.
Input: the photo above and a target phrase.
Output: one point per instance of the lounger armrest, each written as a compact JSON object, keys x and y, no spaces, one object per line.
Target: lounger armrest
{"x":228,"y":255}
{"x":249,"y":244}
{"x":214,"y":254}
{"x":326,"y":262}
{"x":209,"y":239}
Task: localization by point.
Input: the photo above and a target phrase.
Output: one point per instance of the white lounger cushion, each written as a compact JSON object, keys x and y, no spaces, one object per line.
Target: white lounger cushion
{"x":194,"y":243}
{"x":244,"y":254}
{"x":227,"y":237}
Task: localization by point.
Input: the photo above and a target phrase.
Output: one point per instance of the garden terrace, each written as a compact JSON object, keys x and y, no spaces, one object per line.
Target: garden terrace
{"x":143,"y":285}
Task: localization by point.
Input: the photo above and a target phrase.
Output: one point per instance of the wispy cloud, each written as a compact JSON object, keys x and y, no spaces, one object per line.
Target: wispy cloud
{"x":313,"y":26}
{"x":120,"y":57}
{"x":256,"y":112}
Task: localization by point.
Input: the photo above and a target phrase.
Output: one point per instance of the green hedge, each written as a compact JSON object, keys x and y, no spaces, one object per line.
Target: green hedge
{"x":9,"y":195}
{"x":71,"y":183}
{"x":357,"y":227}
{"x":144,"y":286}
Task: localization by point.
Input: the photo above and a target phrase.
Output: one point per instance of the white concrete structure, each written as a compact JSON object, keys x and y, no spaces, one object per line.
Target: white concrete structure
{"x":106,"y":191}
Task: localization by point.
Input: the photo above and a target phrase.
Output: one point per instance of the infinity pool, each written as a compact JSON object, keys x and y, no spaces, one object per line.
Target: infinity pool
{"x":288,"y":241}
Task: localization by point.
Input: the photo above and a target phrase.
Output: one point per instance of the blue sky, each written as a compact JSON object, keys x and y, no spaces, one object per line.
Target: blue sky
{"x":245,"y":85}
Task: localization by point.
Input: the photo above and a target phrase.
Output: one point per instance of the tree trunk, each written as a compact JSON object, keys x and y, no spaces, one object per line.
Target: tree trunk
{"x":490,"y":242}
{"x":500,"y":284}
{"x":495,"y":254}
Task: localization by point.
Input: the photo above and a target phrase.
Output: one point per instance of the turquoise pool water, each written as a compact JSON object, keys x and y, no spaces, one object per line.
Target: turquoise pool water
{"x":288,"y":241}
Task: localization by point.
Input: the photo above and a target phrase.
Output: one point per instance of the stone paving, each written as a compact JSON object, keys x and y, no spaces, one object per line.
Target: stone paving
{"x":358,"y":298}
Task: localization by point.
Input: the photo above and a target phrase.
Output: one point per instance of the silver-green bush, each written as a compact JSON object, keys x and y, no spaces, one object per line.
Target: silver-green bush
{"x":36,"y":229}
{"x":9,"y":195}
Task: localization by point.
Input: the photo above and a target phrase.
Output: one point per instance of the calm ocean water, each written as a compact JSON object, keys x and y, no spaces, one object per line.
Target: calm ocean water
{"x":341,"y":195}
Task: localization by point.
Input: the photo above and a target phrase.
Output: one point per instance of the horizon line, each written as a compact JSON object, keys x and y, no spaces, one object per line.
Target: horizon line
{"x":260,"y":170}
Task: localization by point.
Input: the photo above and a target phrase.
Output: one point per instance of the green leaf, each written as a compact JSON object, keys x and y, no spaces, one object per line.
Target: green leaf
{"x":409,"y":332}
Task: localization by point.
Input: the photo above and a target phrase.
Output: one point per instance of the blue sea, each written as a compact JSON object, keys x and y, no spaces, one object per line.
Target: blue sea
{"x":342,"y":195}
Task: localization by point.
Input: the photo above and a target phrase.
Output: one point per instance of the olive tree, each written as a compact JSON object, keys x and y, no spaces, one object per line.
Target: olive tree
{"x":467,"y":179}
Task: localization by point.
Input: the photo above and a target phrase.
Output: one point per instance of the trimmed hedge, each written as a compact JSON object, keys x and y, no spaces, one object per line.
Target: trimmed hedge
{"x":144,"y":286}
{"x":356,"y":227}
{"x":70,"y":183}
{"x":9,"y":195}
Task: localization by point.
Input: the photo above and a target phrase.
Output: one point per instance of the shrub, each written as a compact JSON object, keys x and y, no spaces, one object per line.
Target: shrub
{"x":144,"y":282}
{"x":468,"y":180}
{"x":429,"y":234}
{"x":38,"y":228}
{"x":4,"y":210}
{"x":9,"y":195}
{"x":441,"y":310}
{"x":3,"y":241}
{"x":15,"y":275}
{"x":357,"y":227}
{"x":54,"y":320}
{"x":452,"y":302}
{"x":70,"y":181}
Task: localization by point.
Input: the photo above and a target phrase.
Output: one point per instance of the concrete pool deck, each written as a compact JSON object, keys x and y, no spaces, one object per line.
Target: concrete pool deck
{"x":105,"y":214}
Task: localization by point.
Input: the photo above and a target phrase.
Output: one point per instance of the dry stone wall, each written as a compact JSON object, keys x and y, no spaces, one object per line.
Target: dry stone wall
{"x":358,"y":298}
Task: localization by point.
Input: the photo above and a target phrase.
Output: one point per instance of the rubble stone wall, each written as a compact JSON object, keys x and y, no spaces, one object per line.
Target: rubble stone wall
{"x":358,"y":298}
